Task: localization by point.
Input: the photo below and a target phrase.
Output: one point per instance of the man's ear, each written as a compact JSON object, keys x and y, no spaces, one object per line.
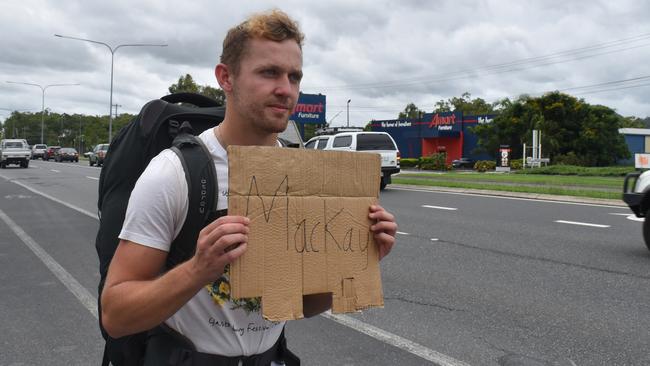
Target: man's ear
{"x":224,"y":77}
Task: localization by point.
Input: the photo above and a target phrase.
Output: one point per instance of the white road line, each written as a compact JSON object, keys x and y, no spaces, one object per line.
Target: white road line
{"x":395,"y":340}
{"x":580,"y":223}
{"x":86,"y":299}
{"x":440,"y":207}
{"x":403,"y":233}
{"x":93,"y":178}
{"x":54,"y":170}
{"x":629,"y":216}
{"x":78,"y":209}
{"x":506,"y":198}
{"x":434,"y":239}
{"x":91,"y":303}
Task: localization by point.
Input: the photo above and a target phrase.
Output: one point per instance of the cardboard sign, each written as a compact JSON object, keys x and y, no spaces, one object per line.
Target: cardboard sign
{"x":309,"y":232}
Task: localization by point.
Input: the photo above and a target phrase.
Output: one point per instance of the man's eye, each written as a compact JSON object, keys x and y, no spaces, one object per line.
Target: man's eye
{"x":270,"y":72}
{"x":295,"y":78}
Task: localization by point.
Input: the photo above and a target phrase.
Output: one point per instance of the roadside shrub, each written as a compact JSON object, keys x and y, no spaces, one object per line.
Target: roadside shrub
{"x":516,"y":164}
{"x":437,"y":161}
{"x":569,"y":158}
{"x":408,"y":162}
{"x":484,"y":165}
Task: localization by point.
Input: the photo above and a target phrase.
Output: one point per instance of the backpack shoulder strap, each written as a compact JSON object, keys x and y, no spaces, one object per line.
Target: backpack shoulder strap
{"x":202,"y":191}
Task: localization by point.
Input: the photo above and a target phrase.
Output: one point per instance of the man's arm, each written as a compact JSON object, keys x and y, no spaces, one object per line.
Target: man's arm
{"x":137,"y":298}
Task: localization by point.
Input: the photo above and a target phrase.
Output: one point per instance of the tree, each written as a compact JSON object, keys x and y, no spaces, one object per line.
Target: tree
{"x":570,"y":127}
{"x":187,"y":84}
{"x":464,"y":104}
{"x":411,"y":111}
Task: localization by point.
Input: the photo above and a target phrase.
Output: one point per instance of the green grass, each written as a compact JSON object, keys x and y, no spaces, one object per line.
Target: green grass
{"x":610,"y":171}
{"x":542,"y":189}
{"x":513,"y":179}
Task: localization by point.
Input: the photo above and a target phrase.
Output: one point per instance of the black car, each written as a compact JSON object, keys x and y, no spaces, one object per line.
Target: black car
{"x":66,"y":154}
{"x":463,"y":163}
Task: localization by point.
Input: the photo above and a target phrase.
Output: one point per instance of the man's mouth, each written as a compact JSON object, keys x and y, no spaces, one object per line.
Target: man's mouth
{"x":279,"y":107}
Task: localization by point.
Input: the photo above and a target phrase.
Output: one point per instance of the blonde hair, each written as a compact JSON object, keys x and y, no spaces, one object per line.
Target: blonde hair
{"x":274,"y":25}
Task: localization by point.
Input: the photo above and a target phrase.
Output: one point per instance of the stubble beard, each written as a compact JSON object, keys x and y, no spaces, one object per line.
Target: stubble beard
{"x":255,"y":115}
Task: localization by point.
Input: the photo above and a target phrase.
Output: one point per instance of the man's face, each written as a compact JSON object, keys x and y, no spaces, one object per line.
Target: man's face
{"x":265,"y":90}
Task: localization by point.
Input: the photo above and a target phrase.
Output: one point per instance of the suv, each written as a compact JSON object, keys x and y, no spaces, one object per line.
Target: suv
{"x":318,"y":142}
{"x":97,"y":155}
{"x":38,"y":151}
{"x":14,"y":151}
{"x":367,"y":142}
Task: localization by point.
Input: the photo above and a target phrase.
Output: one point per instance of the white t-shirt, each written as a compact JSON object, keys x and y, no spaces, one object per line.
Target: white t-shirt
{"x":154,"y":217}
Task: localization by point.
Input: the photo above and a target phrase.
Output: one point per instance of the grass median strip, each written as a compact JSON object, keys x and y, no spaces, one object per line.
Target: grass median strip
{"x":563,"y":180}
{"x":576,"y":190}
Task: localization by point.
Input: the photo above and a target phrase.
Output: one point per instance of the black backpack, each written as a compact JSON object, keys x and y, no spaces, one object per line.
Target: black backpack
{"x":161,"y":124}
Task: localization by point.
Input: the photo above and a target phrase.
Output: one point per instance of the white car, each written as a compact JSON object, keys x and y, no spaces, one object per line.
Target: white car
{"x":38,"y":151}
{"x":367,"y":142}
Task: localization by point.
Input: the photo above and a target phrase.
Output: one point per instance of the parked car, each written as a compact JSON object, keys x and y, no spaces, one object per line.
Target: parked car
{"x":66,"y":154}
{"x":49,"y":153}
{"x":636,"y":193}
{"x":38,"y":151}
{"x":97,"y":155}
{"x":14,"y":151}
{"x":368,"y":142}
{"x":463,"y":163}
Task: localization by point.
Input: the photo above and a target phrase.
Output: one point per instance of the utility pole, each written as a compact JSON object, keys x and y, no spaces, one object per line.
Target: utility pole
{"x":348,"y":124}
{"x":116,"y":105}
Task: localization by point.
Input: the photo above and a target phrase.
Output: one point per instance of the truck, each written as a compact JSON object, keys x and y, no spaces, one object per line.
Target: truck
{"x":14,"y":151}
{"x":636,"y":192}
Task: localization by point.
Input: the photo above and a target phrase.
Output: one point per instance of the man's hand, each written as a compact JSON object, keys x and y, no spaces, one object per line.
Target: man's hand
{"x":384,"y":229}
{"x":219,"y":243}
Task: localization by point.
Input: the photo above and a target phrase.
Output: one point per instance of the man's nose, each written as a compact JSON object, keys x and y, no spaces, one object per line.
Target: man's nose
{"x":283,"y":86}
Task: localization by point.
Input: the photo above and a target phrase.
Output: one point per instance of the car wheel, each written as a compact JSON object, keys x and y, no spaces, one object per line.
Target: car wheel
{"x":646,"y":229}
{"x":382,"y":184}
{"x":90,"y":162}
{"x":3,"y":165}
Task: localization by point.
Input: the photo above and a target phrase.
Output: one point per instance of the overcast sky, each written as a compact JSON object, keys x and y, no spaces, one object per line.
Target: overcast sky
{"x":380,"y":54}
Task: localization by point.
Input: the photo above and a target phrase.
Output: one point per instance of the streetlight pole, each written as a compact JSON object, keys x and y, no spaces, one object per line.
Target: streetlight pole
{"x":43,"y":89}
{"x":113,"y":50}
{"x":349,"y":112}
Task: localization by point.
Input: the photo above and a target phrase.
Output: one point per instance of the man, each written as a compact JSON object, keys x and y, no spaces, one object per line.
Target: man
{"x":260,"y":73}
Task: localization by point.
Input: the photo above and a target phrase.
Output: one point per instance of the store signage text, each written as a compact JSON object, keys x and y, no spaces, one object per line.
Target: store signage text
{"x":389,"y":124}
{"x":443,"y":123}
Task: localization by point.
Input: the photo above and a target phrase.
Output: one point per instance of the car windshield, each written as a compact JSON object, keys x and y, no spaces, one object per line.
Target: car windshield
{"x":13,"y":145}
{"x":371,"y":141}
{"x":103,"y":147}
{"x":68,"y":150}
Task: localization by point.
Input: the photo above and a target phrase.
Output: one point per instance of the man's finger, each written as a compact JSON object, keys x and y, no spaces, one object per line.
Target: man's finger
{"x":227,"y":219}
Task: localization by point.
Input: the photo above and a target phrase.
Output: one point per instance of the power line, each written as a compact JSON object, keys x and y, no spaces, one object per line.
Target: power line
{"x":525,"y":63}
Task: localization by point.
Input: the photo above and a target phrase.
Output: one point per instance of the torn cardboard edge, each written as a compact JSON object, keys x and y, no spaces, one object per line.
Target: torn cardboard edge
{"x":309,"y":232}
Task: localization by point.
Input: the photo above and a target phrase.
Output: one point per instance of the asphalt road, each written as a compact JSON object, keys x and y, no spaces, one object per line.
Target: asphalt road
{"x":473,"y":280}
